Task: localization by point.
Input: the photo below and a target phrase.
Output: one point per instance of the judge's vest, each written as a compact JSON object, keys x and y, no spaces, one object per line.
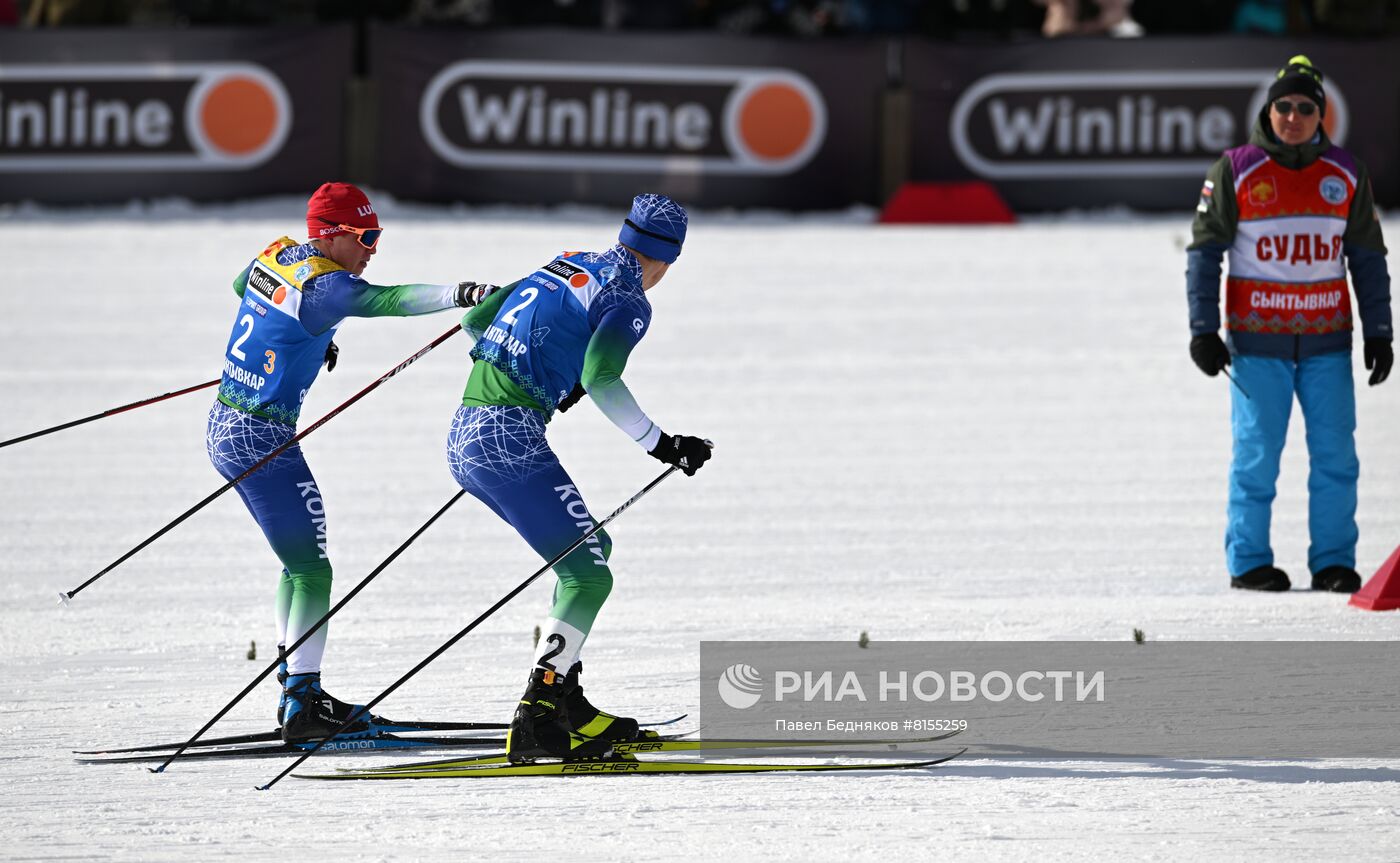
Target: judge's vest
{"x":1286,"y":268}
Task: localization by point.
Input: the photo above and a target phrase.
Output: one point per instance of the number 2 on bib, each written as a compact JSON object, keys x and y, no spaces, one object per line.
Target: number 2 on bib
{"x":236,"y":349}
{"x":528,"y":295}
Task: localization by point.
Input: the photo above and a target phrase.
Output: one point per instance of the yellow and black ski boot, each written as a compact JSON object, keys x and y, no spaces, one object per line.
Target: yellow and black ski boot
{"x":588,"y":721}
{"x":540,"y":727}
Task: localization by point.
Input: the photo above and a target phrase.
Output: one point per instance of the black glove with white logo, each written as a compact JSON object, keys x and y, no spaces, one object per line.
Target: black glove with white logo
{"x":1209,"y":353}
{"x":682,"y":451}
{"x":572,"y":398}
{"x":468,"y":294}
{"x":1380,"y":356}
{"x":332,"y":354}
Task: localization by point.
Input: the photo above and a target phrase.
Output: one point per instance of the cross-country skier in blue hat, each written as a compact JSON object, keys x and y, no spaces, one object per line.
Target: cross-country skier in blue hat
{"x":542,"y":343}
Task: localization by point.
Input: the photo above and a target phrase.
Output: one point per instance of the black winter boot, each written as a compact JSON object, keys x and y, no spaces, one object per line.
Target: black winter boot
{"x":1262,"y":578}
{"x":1337,"y":579}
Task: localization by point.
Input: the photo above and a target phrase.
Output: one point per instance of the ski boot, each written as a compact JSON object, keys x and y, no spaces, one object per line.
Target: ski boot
{"x":588,"y":721}
{"x":312,"y":714}
{"x":540,"y":727}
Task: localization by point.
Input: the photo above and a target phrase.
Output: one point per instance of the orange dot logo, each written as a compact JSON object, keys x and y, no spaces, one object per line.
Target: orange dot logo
{"x":239,"y":115}
{"x":775,"y":121}
{"x":279,"y":295}
{"x":578,"y":280}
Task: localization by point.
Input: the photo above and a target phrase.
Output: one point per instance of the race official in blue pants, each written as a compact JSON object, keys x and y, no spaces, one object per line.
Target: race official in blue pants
{"x":1294,"y":213}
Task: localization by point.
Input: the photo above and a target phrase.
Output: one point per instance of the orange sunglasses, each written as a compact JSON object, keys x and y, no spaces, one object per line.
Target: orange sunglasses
{"x":368,"y":237}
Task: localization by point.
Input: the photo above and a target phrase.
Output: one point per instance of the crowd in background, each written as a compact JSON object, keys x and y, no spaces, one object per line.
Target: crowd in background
{"x":944,"y":19}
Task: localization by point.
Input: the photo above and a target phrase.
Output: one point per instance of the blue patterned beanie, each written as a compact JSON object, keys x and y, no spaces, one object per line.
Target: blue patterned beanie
{"x":655,"y":227}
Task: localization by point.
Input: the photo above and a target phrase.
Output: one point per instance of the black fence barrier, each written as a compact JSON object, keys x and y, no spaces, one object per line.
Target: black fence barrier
{"x":555,"y":116}
{"x":1057,"y":125}
{"x":544,"y":117}
{"x":89,"y":116}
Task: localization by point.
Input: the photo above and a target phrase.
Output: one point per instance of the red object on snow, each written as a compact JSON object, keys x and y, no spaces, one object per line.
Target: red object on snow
{"x":1382,"y":592}
{"x":970,"y":203}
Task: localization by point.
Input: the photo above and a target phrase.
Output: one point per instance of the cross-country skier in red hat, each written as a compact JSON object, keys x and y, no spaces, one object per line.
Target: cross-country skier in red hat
{"x":292,"y":297}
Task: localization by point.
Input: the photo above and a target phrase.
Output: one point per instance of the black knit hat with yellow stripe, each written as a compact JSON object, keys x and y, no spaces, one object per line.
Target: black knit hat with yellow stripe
{"x":1299,"y":78}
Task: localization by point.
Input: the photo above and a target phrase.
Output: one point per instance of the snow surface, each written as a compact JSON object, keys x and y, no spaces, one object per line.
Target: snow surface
{"x":921,"y":433}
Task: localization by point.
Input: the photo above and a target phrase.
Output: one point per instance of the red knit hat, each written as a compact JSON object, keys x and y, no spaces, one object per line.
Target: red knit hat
{"x":338,"y":204}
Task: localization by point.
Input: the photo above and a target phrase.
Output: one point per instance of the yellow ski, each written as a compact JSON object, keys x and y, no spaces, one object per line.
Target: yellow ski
{"x":661,"y":745}
{"x":626,"y":766}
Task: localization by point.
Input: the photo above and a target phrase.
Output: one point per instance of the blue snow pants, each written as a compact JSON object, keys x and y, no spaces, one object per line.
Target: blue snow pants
{"x":283,"y":498}
{"x":1323,"y":386}
{"x":500,"y":455}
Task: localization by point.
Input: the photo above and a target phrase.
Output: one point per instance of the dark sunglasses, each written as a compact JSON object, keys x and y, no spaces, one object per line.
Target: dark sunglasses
{"x":368,"y":237}
{"x":1285,"y":107}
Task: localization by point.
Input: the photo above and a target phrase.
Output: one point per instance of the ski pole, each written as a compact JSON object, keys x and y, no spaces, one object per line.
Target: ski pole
{"x":64,"y":596}
{"x":1237,"y":384}
{"x":309,"y":632}
{"x":107,"y":413}
{"x":473,"y":625}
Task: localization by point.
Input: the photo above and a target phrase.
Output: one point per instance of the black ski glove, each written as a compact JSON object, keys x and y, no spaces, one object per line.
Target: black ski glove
{"x":332,"y":354}
{"x":683,"y":451}
{"x":1209,"y":353}
{"x":1380,"y":356}
{"x":572,"y":398}
{"x":468,"y":294}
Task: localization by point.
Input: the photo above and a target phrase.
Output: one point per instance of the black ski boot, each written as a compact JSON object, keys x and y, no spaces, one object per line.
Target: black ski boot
{"x":1262,"y":578}
{"x":1337,"y":579}
{"x":589,"y":721}
{"x":540,"y":727}
{"x":312,"y":714}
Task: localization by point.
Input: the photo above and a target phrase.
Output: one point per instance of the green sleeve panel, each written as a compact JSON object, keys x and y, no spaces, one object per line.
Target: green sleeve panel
{"x":240,"y":284}
{"x":603,"y":364}
{"x":480,"y":316}
{"x":379,"y":301}
{"x":1219,"y":216}
{"x":1363,"y":227}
